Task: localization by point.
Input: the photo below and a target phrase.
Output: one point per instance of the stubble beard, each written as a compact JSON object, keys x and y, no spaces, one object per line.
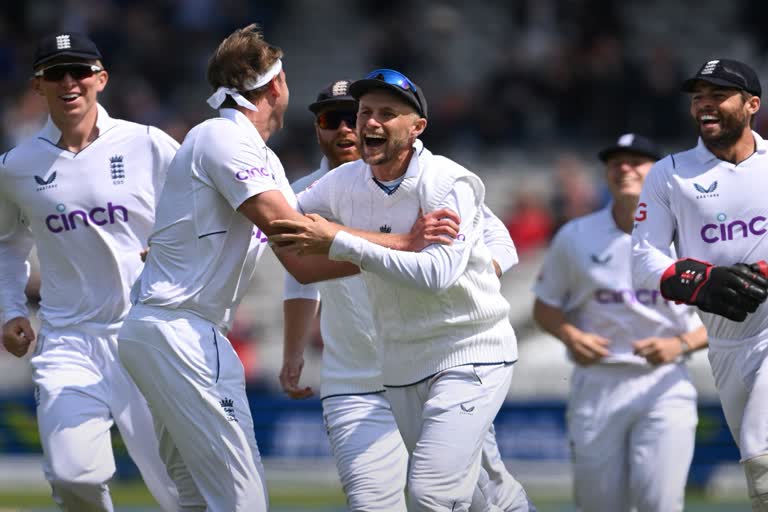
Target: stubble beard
{"x":732,"y":127}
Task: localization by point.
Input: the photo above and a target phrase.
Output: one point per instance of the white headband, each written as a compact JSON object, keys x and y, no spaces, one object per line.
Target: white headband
{"x":218,"y":97}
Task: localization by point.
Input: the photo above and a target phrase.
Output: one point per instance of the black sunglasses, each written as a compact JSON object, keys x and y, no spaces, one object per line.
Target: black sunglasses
{"x":331,"y":119}
{"x":77,"y":70}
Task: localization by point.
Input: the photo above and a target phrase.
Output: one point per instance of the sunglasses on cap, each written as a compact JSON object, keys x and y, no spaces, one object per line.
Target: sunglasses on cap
{"x":331,"y":119}
{"x":396,"y":78}
{"x":77,"y":70}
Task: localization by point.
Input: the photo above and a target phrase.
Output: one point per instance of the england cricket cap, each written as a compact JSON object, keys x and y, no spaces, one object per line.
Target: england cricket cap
{"x":393,"y":81}
{"x":632,"y":143}
{"x":334,"y":94}
{"x":726,"y":73}
{"x":69,"y":44}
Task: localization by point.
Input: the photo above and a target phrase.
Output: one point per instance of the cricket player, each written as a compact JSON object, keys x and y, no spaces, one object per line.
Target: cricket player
{"x":224,"y":187}
{"x":370,"y":456}
{"x":632,"y":410}
{"x":447,"y":344}
{"x":710,"y":201}
{"x":83,"y":190}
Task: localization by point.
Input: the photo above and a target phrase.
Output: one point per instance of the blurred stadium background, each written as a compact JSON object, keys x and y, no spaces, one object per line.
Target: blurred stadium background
{"x":523,"y":92}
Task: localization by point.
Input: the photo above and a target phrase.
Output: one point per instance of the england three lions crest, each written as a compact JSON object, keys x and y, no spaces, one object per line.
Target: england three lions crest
{"x":117,"y":169}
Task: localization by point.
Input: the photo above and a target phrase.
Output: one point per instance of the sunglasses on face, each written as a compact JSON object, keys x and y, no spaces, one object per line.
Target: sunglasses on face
{"x":331,"y":120}
{"x":77,"y":70}
{"x":395,"y":78}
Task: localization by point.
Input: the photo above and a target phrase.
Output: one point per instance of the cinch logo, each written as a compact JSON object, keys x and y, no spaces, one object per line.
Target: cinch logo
{"x":253,"y":172}
{"x":642,"y":212}
{"x":723,"y":231}
{"x":97,"y":215}
{"x":627,"y":296}
{"x":706,"y":192}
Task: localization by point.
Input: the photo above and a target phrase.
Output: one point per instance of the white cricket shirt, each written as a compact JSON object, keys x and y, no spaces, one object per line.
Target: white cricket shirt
{"x":351,"y":359}
{"x":586,"y":274}
{"x":203,"y":252}
{"x":89,"y":213}
{"x":434,"y":309}
{"x":713,"y":211}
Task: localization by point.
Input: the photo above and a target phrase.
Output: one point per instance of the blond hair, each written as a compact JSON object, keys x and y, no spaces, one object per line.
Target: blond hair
{"x":241,"y":58}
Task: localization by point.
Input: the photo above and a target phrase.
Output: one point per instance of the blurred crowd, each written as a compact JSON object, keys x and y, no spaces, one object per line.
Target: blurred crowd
{"x":551,"y":80}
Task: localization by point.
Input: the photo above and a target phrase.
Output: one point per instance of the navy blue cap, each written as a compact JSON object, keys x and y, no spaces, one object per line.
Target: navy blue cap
{"x":632,"y":143}
{"x":335,"y":93}
{"x":726,"y":73}
{"x":69,"y":44}
{"x":393,"y":81}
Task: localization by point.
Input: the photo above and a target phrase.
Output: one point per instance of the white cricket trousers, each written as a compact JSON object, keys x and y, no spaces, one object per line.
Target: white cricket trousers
{"x":370,"y":456}
{"x":195,"y":385}
{"x":444,"y":421}
{"x":632,"y":432}
{"x":741,"y":377}
{"x":81,"y":390}
{"x":372,"y":460}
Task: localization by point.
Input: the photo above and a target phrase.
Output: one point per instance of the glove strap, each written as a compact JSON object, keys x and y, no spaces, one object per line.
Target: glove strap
{"x":683,"y":280}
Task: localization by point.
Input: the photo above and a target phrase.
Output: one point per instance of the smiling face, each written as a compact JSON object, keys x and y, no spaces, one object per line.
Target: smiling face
{"x":722,"y":115}
{"x":70,"y":100}
{"x":625,"y":174}
{"x":387,"y":126}
{"x":338,"y":142}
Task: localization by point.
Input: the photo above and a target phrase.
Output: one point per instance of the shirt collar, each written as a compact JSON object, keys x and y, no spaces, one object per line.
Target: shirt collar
{"x":705,"y":155}
{"x":51,"y":132}
{"x":240,"y":120}
{"x":324,"y":165}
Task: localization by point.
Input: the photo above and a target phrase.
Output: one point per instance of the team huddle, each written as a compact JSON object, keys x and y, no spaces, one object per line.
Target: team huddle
{"x":405,"y":256}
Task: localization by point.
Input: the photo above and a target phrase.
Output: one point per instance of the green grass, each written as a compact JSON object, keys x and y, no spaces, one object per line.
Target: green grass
{"x":135,"y":497}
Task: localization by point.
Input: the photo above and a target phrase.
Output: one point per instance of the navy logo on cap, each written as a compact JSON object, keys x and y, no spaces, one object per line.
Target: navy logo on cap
{"x":340,"y":88}
{"x":62,"y":42}
{"x":626,"y":140}
{"x":709,"y":67}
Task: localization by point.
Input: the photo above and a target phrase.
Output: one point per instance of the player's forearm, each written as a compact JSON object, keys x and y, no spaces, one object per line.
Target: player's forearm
{"x":13,"y":278}
{"x":313,"y":269}
{"x":553,"y":321}
{"x":396,"y":241}
{"x":298,"y":315}
{"x":695,"y":339}
{"x":648,"y":264}
{"x":496,"y":237}
{"x":435,"y":268}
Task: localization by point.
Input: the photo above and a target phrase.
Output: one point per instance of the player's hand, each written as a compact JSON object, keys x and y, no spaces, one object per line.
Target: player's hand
{"x":437,"y":227}
{"x":730,"y":291}
{"x":289,"y":378}
{"x":143,"y":254}
{"x":310,"y":235}
{"x":588,"y":348}
{"x":18,"y":335}
{"x":659,"y":350}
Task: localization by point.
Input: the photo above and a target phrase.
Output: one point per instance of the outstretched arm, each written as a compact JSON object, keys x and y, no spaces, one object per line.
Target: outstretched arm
{"x":271,"y":205}
{"x":436,"y":267}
